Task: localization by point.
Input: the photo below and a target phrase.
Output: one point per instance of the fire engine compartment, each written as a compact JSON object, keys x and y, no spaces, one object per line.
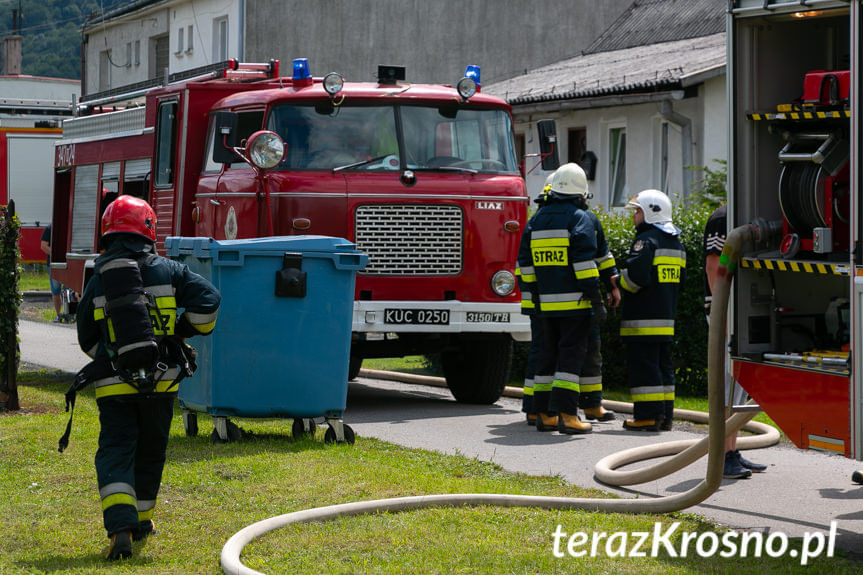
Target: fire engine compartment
{"x":790,"y":172}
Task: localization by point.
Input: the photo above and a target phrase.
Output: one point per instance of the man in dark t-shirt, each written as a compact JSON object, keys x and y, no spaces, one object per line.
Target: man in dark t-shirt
{"x":736,"y":466}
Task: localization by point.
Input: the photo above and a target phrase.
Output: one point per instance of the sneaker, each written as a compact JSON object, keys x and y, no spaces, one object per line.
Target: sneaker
{"x":642,"y":424}
{"x":121,"y":546}
{"x":57,"y":319}
{"x":857,"y":477}
{"x":598,"y":413}
{"x":751,"y":466}
{"x":733,"y":469}
{"x":145,"y":529}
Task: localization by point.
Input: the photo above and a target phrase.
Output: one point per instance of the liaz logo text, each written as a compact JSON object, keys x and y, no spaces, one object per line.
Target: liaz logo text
{"x":486,"y":205}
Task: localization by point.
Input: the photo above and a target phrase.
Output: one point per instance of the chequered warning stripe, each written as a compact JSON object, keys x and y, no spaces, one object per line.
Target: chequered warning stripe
{"x":800,"y":115}
{"x":791,"y":266}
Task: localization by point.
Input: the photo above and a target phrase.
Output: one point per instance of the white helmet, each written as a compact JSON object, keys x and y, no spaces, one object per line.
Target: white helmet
{"x":656,"y":208}
{"x":570,"y":180}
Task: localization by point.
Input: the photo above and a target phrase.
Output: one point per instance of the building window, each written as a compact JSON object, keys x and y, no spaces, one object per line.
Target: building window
{"x":159,"y":54}
{"x":128,"y":54}
{"x":137,"y":52}
{"x":180,"y":43}
{"x":104,"y":70}
{"x":220,"y":39}
{"x":617,"y":165}
{"x":663,"y":159}
{"x":576,"y":144}
{"x":189,"y":43}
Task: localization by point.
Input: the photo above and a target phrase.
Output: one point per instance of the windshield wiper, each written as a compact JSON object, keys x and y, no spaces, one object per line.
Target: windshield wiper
{"x":360,"y":163}
{"x":451,"y":169}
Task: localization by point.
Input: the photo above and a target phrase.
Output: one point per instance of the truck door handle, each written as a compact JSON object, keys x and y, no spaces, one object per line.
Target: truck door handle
{"x":217,"y":202}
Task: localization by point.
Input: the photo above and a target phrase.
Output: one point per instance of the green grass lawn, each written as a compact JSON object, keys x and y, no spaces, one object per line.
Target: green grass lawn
{"x":34,"y":277}
{"x":51,"y":518}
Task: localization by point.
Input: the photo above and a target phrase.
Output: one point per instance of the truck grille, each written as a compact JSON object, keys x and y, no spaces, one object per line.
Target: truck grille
{"x":410,"y":239}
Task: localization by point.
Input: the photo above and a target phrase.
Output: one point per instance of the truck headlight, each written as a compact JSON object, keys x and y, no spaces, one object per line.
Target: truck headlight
{"x":265,"y":149}
{"x":503,"y":283}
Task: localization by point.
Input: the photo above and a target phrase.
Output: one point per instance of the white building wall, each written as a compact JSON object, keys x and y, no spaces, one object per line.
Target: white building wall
{"x":643,"y":147}
{"x":130,"y":39}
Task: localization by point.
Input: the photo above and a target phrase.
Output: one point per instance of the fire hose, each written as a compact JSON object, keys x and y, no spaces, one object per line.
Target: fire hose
{"x":693,"y":449}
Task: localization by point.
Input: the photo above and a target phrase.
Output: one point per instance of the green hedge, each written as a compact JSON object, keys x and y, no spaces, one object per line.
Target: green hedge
{"x":10,"y":302}
{"x":690,"y":345}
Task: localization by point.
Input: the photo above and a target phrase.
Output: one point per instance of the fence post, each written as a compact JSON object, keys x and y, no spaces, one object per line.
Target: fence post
{"x":10,"y":302}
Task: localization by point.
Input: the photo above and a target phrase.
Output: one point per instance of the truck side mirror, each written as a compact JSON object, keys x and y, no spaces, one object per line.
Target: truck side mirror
{"x":548,"y":144}
{"x":225,"y":137}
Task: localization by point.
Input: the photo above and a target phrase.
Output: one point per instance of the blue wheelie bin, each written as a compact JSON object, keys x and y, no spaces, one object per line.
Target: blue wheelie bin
{"x":281,"y":345}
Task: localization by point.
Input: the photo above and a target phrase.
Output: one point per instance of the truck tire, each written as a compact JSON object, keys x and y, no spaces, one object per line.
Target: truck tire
{"x":479,"y":370}
{"x":356,"y":363}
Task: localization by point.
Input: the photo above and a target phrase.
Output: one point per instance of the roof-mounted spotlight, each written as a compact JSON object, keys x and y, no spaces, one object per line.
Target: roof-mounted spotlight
{"x":333,"y":83}
{"x":302,"y":73}
{"x":470,"y":84}
{"x":466,"y":88}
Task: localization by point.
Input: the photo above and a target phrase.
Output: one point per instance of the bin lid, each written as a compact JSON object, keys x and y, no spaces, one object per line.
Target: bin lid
{"x":208,"y":247}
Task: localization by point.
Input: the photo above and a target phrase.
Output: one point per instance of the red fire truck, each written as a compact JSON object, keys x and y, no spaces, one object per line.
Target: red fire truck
{"x":423,"y":178}
{"x":794,"y":166}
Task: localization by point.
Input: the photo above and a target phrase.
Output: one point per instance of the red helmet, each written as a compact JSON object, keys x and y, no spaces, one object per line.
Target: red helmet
{"x":130,"y":215}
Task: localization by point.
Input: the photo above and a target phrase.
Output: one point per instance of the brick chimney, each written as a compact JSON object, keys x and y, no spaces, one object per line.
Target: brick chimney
{"x":10,"y":59}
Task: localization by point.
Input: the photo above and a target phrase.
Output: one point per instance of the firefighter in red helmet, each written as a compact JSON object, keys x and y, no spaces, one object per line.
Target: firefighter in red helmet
{"x":133,"y":318}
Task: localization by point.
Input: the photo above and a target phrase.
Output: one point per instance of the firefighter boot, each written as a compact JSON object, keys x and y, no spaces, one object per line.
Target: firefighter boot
{"x":546,"y":422}
{"x":145,"y":529}
{"x":598,"y":413}
{"x":121,"y":546}
{"x":857,"y":477}
{"x":570,"y":424}
{"x":642,"y":424}
{"x":531,"y":419}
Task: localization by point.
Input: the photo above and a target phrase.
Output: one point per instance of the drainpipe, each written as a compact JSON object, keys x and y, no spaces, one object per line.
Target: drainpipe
{"x":685,"y":124}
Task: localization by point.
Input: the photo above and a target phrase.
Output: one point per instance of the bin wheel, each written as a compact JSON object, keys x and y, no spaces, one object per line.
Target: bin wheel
{"x":330,"y":435}
{"x":302,"y":428}
{"x":233,"y":433}
{"x":190,"y":424}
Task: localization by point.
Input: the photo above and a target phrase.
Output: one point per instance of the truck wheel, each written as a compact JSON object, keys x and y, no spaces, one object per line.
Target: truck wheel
{"x":354,"y":367}
{"x":479,"y":370}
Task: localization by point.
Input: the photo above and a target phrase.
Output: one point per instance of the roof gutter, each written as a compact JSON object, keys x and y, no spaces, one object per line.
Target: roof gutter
{"x":597,"y":102}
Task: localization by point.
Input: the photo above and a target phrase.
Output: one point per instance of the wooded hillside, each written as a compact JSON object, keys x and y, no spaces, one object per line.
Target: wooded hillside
{"x":52,"y":33}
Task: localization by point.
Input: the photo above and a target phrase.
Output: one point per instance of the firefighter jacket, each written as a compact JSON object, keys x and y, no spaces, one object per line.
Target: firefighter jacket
{"x":556,"y":259}
{"x":603,"y":258}
{"x":654,"y":274}
{"x":527,"y":289}
{"x":170,"y":286}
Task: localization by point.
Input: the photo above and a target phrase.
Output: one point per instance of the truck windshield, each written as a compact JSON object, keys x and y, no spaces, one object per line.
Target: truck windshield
{"x":322,"y":137}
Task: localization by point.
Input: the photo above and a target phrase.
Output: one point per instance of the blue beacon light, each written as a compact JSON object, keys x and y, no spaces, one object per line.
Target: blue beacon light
{"x":472,"y":72}
{"x":301,"y":69}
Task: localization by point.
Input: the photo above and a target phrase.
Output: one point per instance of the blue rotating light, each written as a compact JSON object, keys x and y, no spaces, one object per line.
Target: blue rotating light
{"x":301,"y":69}
{"x":472,"y":72}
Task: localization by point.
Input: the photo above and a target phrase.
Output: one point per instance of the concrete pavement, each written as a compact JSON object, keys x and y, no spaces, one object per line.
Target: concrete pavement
{"x":802,"y":491}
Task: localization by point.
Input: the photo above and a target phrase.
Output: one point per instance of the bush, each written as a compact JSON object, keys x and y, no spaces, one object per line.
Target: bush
{"x":690,"y":340}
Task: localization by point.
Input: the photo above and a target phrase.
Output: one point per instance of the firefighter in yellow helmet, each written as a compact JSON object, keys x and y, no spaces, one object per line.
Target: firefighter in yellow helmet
{"x":654,"y":274}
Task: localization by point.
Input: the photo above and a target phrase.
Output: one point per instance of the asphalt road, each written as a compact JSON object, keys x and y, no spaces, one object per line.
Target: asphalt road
{"x":802,"y":491}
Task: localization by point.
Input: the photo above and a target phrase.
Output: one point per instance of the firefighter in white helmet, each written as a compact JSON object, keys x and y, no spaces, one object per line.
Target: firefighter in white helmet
{"x":528,"y":309}
{"x":557,"y":254}
{"x":654,"y":274}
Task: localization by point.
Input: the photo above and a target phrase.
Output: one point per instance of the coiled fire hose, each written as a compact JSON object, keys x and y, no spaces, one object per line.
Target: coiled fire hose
{"x":230,"y":557}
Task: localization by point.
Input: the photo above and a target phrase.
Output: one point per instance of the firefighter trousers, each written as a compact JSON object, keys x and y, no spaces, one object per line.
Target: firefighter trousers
{"x":530,"y":366}
{"x":590,"y":382}
{"x":133,"y":440}
{"x":561,"y":357}
{"x":651,"y":379}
